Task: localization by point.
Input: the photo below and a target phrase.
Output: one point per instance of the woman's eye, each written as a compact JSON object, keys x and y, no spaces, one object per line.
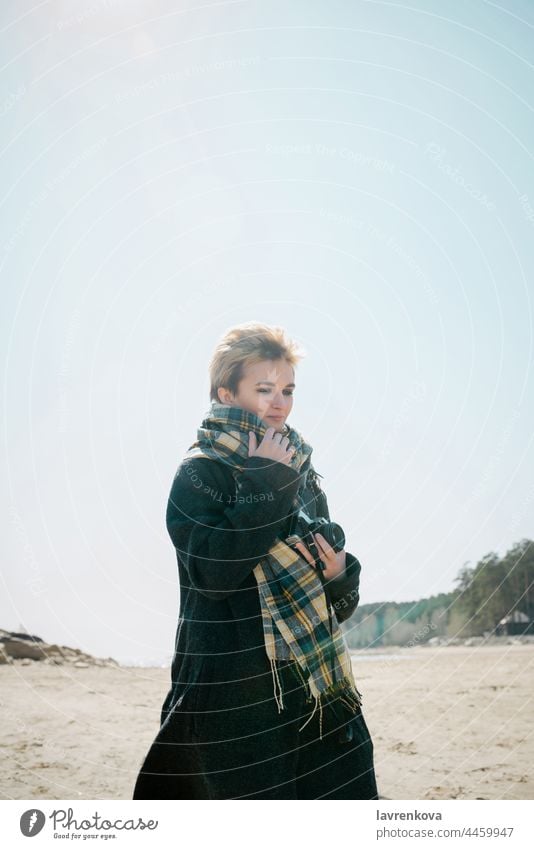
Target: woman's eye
{"x":268,"y":390}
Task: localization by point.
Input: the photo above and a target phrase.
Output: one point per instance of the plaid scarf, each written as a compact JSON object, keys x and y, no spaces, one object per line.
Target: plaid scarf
{"x":297,"y":622}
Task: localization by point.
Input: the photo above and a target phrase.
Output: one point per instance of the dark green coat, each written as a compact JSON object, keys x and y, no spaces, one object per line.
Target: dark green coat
{"x":220,"y":708}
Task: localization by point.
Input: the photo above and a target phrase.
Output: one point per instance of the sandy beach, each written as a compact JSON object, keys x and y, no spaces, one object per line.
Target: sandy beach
{"x":450,"y":722}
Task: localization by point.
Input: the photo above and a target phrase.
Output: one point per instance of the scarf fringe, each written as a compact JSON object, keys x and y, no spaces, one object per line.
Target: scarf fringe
{"x":318,"y":703}
{"x":278,"y":693}
{"x":345,"y":690}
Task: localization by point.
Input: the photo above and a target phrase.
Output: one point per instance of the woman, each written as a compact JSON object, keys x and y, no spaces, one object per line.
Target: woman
{"x":263,"y":703}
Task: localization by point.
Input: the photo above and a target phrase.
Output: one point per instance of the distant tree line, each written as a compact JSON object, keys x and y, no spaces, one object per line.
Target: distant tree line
{"x":485,"y":594}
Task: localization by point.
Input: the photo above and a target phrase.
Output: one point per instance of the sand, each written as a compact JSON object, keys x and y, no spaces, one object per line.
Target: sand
{"x":447,"y":723}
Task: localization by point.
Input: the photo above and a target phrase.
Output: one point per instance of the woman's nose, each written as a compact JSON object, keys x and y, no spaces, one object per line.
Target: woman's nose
{"x":279,"y":401}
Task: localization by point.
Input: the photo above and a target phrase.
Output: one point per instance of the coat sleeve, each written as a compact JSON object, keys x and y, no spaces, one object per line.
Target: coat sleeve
{"x":342,"y":592}
{"x":220,"y":535}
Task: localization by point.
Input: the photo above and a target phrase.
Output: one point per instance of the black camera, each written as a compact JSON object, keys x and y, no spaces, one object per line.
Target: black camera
{"x":303,"y":527}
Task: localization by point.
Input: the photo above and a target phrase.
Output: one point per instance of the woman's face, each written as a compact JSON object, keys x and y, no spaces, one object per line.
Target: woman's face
{"x":265,"y":389}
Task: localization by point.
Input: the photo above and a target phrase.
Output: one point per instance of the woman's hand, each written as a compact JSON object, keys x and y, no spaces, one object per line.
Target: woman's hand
{"x":334,"y":561}
{"x":273,"y":446}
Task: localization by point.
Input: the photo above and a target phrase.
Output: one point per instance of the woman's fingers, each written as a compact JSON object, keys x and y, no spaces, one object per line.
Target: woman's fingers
{"x":274,"y":446}
{"x":304,"y":551}
{"x":324,"y":546}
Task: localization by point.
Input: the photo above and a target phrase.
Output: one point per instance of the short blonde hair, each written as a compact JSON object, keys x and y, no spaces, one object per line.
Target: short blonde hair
{"x":248,"y":344}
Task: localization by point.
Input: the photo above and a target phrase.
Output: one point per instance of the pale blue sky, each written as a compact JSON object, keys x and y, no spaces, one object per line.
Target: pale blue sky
{"x":359,"y":172}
